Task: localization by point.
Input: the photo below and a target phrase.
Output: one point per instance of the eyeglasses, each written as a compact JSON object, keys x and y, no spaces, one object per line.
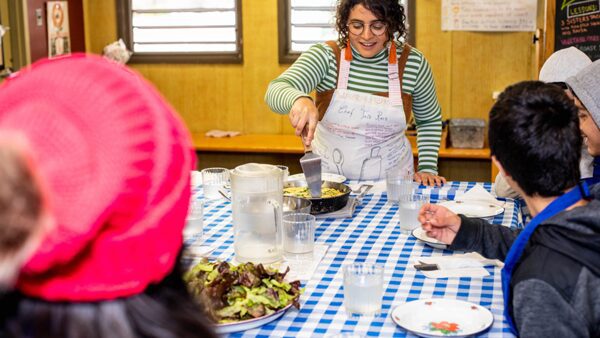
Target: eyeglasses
{"x":357,"y":27}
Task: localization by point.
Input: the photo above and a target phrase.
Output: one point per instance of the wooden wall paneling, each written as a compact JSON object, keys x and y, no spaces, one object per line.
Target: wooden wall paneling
{"x":436,"y":46}
{"x":206,"y":96}
{"x":260,"y":66}
{"x":549,"y":26}
{"x":484,"y":63}
{"x":100,"y":24}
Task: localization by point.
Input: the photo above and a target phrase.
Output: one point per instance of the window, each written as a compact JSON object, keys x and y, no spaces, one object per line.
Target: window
{"x":302,"y":23}
{"x":185,"y":31}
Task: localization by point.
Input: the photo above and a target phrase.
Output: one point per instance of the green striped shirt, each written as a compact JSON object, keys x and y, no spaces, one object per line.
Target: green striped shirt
{"x":316,"y":69}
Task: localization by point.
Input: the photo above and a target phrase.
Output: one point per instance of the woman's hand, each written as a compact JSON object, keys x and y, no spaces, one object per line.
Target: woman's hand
{"x":429,"y":179}
{"x":439,"y":222}
{"x":304,"y":114}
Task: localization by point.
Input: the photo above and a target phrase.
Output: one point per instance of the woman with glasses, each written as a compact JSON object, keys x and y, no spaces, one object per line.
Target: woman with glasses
{"x":367,"y":84}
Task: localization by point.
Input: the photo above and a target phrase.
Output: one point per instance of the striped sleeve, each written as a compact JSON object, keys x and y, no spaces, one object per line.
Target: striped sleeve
{"x":428,"y":117}
{"x":301,"y":78}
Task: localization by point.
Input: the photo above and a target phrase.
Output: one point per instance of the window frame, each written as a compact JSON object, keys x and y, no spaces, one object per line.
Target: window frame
{"x":125,"y":30}
{"x":285,"y":34}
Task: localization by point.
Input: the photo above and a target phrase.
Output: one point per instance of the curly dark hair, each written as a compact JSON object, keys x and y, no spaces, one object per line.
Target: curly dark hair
{"x":388,"y":11}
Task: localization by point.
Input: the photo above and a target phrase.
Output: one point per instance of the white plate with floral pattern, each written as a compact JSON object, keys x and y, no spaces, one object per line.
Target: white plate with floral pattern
{"x":441,"y":317}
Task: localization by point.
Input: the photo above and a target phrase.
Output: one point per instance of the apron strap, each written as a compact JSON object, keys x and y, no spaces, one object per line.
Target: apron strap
{"x":323,"y":99}
{"x":406,"y":98}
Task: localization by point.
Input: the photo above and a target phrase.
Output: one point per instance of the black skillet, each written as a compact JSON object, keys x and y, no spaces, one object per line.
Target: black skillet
{"x":321,"y":205}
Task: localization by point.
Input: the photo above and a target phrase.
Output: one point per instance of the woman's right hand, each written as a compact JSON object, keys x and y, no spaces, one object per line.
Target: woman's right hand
{"x":304,"y":114}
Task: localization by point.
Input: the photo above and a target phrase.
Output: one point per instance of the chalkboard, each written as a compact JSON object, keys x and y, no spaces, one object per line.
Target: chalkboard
{"x":577,"y":24}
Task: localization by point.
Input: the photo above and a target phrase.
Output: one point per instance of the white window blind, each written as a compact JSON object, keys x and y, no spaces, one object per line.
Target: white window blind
{"x":195,"y":26}
{"x":312,"y":21}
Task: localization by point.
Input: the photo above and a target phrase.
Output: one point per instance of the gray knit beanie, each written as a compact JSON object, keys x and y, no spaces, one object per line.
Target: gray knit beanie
{"x":586,"y":85}
{"x":563,"y":64}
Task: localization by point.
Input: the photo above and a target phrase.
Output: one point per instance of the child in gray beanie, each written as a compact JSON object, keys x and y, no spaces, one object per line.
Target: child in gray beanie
{"x":585,"y":87}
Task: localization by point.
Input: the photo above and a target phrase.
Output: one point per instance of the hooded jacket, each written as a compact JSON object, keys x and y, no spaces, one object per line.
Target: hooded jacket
{"x":556,"y":285}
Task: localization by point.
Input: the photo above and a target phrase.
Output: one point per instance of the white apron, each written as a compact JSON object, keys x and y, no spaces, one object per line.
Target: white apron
{"x":361,"y":136}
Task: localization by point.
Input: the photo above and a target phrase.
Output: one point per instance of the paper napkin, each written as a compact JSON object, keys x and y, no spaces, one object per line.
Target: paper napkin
{"x":302,"y":267}
{"x":478,"y":193}
{"x":455,"y":266}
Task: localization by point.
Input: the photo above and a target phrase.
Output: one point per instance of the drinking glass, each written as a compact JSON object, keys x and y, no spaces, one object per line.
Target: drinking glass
{"x":194,"y":223}
{"x":363,"y":288}
{"x":214,"y":179}
{"x":408,"y":211}
{"x":398,"y":183}
{"x":195,"y":178}
{"x":286,"y":172}
{"x":298,"y":233}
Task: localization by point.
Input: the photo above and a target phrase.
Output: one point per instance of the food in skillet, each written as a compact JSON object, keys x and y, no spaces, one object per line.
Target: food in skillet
{"x":234,"y":293}
{"x":304,"y":192}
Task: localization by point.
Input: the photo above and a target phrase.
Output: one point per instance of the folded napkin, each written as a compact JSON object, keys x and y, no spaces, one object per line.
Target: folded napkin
{"x":455,"y":266}
{"x":345,"y":212}
{"x":222,"y":133}
{"x":302,"y":267}
{"x":478,"y":193}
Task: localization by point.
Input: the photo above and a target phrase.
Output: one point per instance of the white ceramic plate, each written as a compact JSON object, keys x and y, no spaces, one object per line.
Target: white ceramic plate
{"x":250,"y":323}
{"x":480,"y":209}
{"x":421,"y":235}
{"x":441,"y":317}
{"x":324,"y":176}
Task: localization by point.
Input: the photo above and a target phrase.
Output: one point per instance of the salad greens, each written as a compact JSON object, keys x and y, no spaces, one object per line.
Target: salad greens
{"x":233,"y":293}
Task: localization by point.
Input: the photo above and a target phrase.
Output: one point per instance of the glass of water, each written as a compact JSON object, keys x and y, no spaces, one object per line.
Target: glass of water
{"x":214,"y":179}
{"x":363,"y":288}
{"x":298,"y":233}
{"x":398,"y":183}
{"x":408,"y":211}
{"x":194,"y":223}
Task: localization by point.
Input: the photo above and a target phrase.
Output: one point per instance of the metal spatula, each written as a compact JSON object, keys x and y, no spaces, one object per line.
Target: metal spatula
{"x":311,"y":166}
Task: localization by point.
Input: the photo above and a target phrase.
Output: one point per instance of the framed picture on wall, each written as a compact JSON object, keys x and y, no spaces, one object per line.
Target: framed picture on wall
{"x":59,"y":39}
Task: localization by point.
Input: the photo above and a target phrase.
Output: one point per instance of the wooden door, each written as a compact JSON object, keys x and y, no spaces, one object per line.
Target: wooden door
{"x":37,"y":27}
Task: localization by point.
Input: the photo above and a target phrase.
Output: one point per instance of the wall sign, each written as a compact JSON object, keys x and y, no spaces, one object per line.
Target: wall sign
{"x":59,"y":40}
{"x":578,"y":24}
{"x":489,"y":15}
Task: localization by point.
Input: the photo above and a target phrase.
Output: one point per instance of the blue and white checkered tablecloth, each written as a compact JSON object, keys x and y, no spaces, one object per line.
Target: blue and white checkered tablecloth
{"x":371,"y":235}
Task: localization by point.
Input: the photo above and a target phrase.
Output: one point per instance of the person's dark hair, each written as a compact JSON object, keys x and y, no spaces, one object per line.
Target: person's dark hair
{"x":534,"y":133}
{"x":20,"y":201}
{"x":388,"y":11}
{"x":165,"y":310}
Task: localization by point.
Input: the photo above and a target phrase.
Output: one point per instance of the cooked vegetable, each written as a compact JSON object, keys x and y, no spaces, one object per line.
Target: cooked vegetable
{"x":305,"y":193}
{"x":234,"y":293}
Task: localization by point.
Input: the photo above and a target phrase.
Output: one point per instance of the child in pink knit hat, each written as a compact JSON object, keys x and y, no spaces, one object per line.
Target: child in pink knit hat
{"x":112,"y":162}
